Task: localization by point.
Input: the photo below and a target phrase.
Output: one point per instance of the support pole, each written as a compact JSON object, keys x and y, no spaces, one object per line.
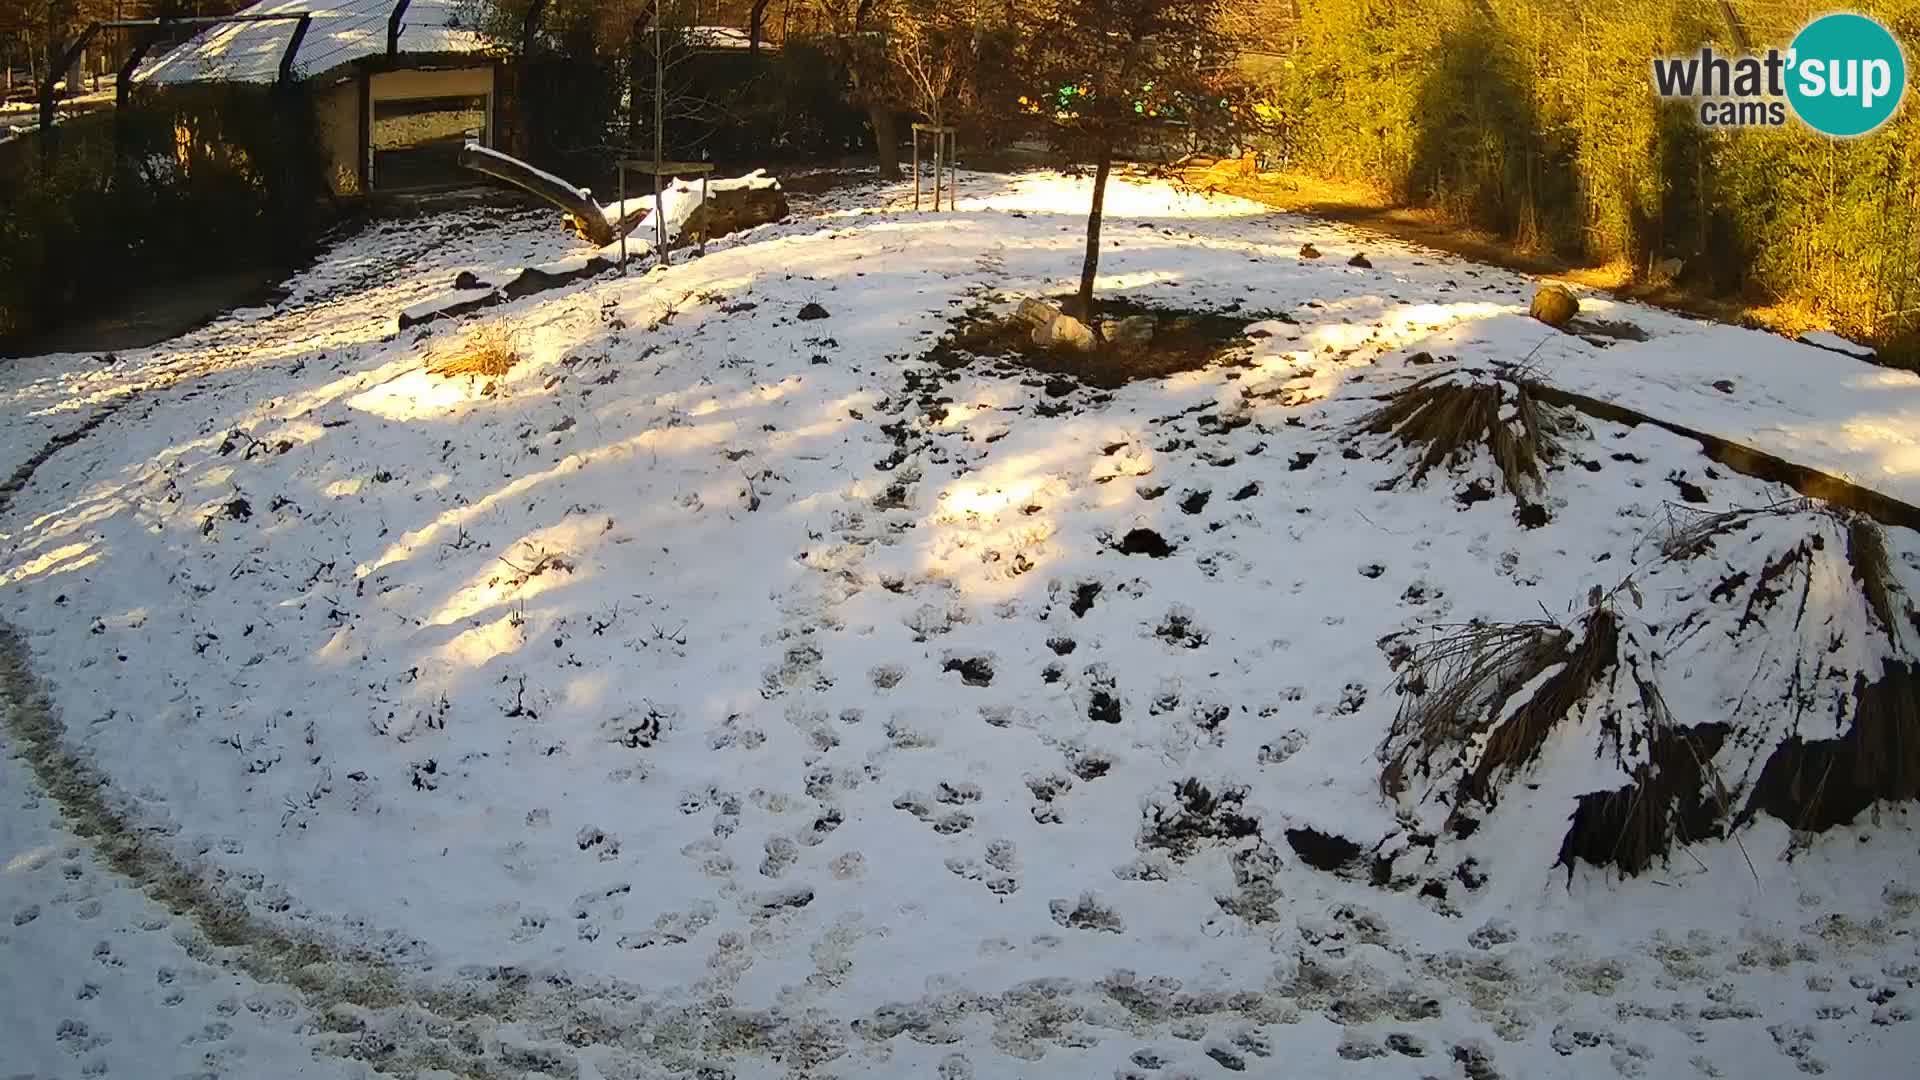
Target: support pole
{"x":293,"y":49}
{"x":660,"y":223}
{"x":58,"y":71}
{"x":621,"y":168}
{"x":394,"y":25}
{"x":123,"y":82}
{"x":916,"y":167}
{"x":939,"y":141}
{"x":704,"y":222}
{"x":659,"y":138}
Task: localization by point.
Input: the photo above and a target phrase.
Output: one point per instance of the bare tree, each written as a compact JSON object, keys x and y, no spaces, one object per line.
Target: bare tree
{"x":1110,"y":75}
{"x":932,"y":50}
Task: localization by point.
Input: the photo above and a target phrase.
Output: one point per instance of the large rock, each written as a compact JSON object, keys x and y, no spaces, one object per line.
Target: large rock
{"x":1066,"y":332}
{"x":1036,"y":312}
{"x":1555,"y":306}
{"x":1132,"y":332}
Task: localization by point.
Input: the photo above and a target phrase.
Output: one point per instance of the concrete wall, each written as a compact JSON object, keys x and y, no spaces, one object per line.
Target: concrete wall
{"x":337,"y":109}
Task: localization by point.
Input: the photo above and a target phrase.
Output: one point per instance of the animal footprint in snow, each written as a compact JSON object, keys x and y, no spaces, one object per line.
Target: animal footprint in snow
{"x":781,"y":854}
{"x":1087,"y":913}
{"x":905,"y":737}
{"x":531,"y":926}
{"x":1047,"y":789}
{"x":1103,"y":697}
{"x":1090,"y":765}
{"x":953,"y":822}
{"x":590,"y":838}
{"x":886,"y":676}
{"x":1279,"y":750}
{"x":1352,"y":698}
{"x":974,"y":670}
{"x":956,"y":794}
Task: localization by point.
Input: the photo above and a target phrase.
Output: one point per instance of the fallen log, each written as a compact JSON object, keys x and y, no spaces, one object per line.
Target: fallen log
{"x":731,"y":206}
{"x":577,"y":202}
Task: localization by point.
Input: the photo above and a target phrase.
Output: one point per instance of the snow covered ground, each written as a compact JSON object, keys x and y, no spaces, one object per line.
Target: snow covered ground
{"x":722,"y":693}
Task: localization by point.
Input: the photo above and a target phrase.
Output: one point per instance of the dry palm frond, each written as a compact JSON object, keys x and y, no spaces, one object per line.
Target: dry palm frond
{"x":1453,"y":683}
{"x":1867,"y":554}
{"x":1817,"y":785}
{"x":1689,"y":531}
{"x":1451,"y":416}
{"x":1674,"y":795}
{"x":486,"y":351}
{"x":1517,"y":741}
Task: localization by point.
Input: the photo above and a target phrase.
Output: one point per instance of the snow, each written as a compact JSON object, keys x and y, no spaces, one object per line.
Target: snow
{"x":1826,"y":339}
{"x":734,"y":678}
{"x":341,"y":31}
{"x":680,"y":198}
{"x":477,"y":150}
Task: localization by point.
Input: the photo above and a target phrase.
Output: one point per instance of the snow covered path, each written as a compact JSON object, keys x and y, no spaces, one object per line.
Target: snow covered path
{"x":718,"y":690}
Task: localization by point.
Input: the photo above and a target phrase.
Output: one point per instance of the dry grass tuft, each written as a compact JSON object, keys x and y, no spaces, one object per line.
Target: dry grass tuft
{"x":1690,"y":532}
{"x":1451,"y":417}
{"x":486,"y":351}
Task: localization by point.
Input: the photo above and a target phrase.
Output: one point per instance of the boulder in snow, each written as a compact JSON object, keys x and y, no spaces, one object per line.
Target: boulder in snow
{"x":1132,"y":332}
{"x":1555,"y":306}
{"x":1036,"y":312}
{"x":1065,"y":332}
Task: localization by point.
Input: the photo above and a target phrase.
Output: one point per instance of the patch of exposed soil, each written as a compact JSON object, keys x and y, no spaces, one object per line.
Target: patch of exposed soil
{"x":1183,"y":340}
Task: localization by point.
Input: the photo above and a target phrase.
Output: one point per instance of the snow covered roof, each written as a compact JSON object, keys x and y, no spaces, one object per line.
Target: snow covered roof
{"x":341,"y":31}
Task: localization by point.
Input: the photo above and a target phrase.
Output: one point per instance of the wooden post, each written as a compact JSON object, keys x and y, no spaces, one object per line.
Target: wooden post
{"x":621,"y":168}
{"x":660,"y":224}
{"x":916,"y":166}
{"x":704,"y":222}
{"x":938,"y":139}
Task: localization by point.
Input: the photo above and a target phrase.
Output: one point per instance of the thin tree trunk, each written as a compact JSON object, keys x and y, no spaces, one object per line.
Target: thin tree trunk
{"x":1091,"y":268}
{"x":886,"y":140}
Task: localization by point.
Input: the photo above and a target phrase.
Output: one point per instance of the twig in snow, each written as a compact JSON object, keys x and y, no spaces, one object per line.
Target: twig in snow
{"x":753,"y":497}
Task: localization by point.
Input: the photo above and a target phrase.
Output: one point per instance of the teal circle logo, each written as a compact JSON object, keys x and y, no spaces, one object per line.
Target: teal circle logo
{"x":1846,"y":75}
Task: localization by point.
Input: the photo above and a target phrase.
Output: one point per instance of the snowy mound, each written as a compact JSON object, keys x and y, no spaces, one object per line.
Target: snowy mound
{"x":718,"y":671}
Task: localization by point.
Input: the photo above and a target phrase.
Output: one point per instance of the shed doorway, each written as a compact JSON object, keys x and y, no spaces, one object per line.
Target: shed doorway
{"x":416,"y":141}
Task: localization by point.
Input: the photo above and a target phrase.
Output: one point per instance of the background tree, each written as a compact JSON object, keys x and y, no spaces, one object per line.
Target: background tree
{"x":930,"y":45}
{"x":853,"y":32}
{"x":1116,"y":76}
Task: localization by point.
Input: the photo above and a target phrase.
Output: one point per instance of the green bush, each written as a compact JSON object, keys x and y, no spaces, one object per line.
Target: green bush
{"x":1537,"y":120}
{"x":185,"y":181}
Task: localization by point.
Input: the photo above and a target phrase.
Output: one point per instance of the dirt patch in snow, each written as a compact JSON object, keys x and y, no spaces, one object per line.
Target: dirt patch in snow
{"x":1183,"y":340}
